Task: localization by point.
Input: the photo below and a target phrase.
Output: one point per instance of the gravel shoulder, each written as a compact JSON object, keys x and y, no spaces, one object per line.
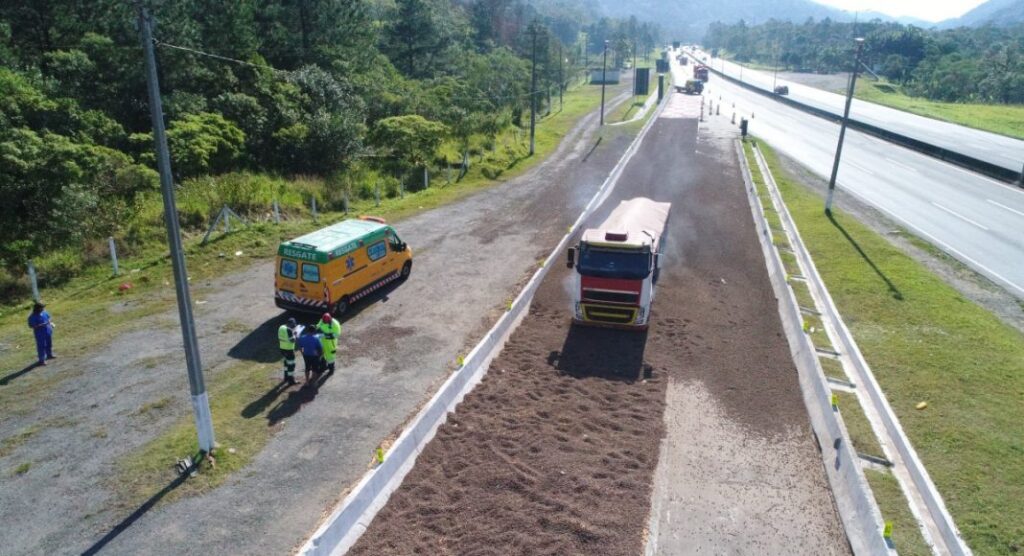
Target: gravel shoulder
{"x":470,"y":256}
{"x":574,"y":431}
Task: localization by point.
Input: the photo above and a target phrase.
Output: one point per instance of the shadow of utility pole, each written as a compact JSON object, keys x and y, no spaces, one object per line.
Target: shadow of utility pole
{"x":896,"y":294}
{"x":134,"y":516}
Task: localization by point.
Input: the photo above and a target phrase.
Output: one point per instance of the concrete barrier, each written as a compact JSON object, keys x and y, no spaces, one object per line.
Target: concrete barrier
{"x":976,"y":165}
{"x":350,"y":519}
{"x":858,"y":511}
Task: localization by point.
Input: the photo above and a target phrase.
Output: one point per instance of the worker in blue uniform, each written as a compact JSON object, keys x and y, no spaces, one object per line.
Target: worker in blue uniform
{"x":42,"y":326}
{"x":312,"y":351}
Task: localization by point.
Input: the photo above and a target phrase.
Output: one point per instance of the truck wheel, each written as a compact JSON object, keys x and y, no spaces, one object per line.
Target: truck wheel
{"x":406,"y":269}
{"x":342,"y":306}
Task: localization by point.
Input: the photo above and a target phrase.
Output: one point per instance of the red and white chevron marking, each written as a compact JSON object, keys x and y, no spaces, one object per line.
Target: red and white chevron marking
{"x":681,"y":106}
{"x":387,"y":279}
{"x":292,"y":298}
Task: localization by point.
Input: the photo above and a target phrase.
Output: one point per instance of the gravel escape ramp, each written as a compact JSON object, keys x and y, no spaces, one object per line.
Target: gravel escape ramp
{"x":574,"y":431}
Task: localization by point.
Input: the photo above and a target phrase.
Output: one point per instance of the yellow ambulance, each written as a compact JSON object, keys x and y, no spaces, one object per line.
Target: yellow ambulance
{"x":330,"y":269}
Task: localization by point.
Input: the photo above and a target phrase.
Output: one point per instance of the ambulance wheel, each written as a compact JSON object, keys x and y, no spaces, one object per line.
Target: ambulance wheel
{"x":342,"y":306}
{"x":406,"y":269}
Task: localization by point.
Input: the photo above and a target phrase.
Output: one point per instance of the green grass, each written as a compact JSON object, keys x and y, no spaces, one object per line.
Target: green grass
{"x":239,"y":404}
{"x":861,"y":435}
{"x":833,"y":368}
{"x":1006,"y":119}
{"x":10,"y":443}
{"x":926,"y":342}
{"x":22,"y":469}
{"x":906,"y":534}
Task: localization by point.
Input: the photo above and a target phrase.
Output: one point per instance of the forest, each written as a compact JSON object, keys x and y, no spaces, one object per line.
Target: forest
{"x":967,"y":64}
{"x":350,"y":95}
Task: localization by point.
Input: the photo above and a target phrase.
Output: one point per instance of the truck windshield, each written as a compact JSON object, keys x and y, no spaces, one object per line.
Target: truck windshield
{"x":614,"y":263}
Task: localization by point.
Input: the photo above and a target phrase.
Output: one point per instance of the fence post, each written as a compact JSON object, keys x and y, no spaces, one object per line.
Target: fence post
{"x":313,"y":205}
{"x":376,"y":193}
{"x":401,"y":189}
{"x":426,"y":177}
{"x":277,"y":213}
{"x":113,"y":254}
{"x":227,"y":219}
{"x":32,"y":280}
{"x":345,"y":200}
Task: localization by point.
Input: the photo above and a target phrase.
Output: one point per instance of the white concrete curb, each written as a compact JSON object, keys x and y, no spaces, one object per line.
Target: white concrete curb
{"x":857,"y":508}
{"x":350,"y":519}
{"x":938,"y":515}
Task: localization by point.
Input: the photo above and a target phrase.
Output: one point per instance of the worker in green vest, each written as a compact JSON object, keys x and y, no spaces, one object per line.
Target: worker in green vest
{"x":331,"y":330}
{"x":286,"y":341}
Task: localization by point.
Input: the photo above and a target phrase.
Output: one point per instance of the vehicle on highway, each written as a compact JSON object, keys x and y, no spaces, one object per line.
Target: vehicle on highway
{"x":782,"y":90}
{"x":692,"y":87}
{"x":333,"y":267}
{"x":617,"y":265}
{"x":700,"y":72}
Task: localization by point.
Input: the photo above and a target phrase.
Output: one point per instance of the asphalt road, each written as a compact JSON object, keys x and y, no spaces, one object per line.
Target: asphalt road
{"x":990,"y":147}
{"x":973,"y":218}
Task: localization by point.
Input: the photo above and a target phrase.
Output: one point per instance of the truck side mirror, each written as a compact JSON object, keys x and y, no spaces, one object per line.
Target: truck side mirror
{"x":572,"y":257}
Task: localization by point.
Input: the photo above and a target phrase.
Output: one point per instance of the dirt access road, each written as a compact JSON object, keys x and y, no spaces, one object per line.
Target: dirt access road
{"x":557,"y":449}
{"x":470,"y":257}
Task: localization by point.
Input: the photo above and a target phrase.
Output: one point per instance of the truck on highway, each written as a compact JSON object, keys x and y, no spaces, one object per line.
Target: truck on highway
{"x":692,"y":87}
{"x":700,"y":72}
{"x":616,"y":265}
{"x":333,"y":267}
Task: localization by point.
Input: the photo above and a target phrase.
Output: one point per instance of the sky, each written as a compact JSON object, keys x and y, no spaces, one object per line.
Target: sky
{"x":928,"y":10}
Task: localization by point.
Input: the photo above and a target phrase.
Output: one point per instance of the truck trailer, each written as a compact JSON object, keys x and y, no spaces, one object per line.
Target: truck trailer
{"x":617,"y":264}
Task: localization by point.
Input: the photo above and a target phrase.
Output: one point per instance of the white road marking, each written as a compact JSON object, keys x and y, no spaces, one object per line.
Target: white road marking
{"x":960,"y":216}
{"x":901,"y":165}
{"x":942,"y":244}
{"x":1000,"y":205}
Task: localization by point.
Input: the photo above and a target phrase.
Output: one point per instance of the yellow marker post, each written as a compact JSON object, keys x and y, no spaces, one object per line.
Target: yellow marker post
{"x":459,"y":361}
{"x":835,"y":401}
{"x":380,"y":455}
{"x":887,"y":530}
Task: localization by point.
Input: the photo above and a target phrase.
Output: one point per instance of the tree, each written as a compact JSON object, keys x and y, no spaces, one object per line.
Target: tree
{"x":410,"y":140}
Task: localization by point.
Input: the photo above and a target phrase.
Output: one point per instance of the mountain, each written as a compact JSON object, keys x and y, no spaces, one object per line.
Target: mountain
{"x":996,"y":12}
{"x":687,"y":20}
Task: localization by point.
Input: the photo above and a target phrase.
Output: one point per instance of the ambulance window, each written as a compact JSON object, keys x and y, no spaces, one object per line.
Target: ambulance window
{"x":289,"y":269}
{"x":377,"y":251}
{"x":310,"y":272}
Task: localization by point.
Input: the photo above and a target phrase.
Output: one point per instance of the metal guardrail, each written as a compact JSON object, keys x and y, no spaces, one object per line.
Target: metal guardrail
{"x":925,"y":499}
{"x":969,"y":162}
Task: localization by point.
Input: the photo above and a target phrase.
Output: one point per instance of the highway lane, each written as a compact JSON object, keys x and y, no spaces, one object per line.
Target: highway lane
{"x":973,"y":218}
{"x":990,"y":147}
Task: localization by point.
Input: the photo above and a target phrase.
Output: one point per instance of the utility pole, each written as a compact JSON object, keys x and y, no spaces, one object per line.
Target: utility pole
{"x":604,"y":72}
{"x":842,"y":127}
{"x":532,"y":88}
{"x":561,"y":76}
{"x":634,"y":63}
{"x":775,"y":67}
{"x":200,"y":402}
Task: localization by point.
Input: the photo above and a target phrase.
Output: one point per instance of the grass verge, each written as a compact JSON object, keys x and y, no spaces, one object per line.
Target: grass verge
{"x":906,"y":534}
{"x":247,"y":405}
{"x":861,"y":435}
{"x":1005,"y":119}
{"x":926,"y":342}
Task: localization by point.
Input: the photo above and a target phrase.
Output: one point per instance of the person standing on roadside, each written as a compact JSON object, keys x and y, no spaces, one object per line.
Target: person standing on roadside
{"x":331,"y":330}
{"x":42,"y":326}
{"x":286,"y":341}
{"x":312,"y":351}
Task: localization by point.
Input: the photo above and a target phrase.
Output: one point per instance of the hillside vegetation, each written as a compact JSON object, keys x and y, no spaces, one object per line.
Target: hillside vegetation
{"x":974,"y":65}
{"x":263,"y":100}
